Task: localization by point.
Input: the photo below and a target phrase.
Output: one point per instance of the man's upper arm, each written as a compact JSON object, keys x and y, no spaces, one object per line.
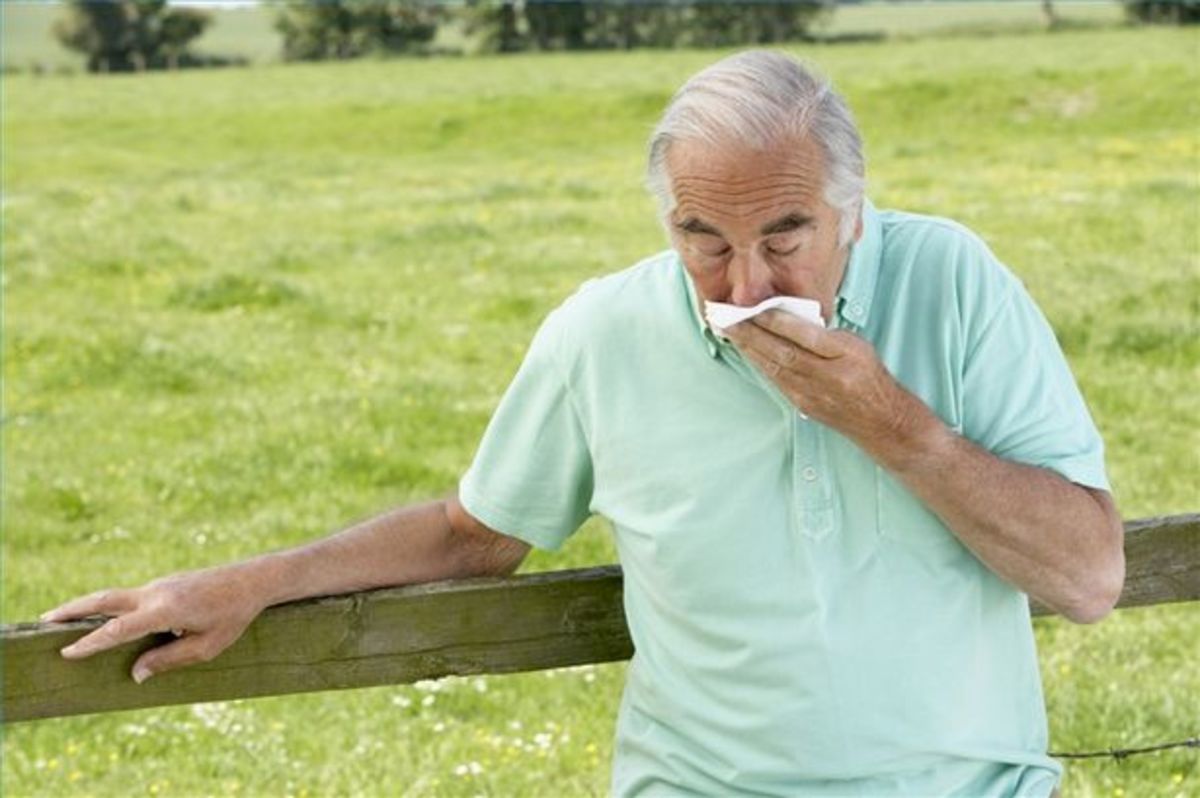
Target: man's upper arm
{"x":1020,"y":400}
{"x":532,"y":474}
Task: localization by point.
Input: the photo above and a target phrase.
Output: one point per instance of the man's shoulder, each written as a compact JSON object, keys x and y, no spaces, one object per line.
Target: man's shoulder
{"x":909,"y":230}
{"x":645,"y":281}
{"x":934,"y":253}
{"x":645,"y":292}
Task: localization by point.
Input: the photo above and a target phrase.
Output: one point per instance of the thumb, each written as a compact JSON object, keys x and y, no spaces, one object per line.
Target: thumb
{"x":186,"y":650}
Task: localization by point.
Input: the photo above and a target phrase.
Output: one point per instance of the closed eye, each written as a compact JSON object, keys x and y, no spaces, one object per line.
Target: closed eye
{"x":711,"y":246}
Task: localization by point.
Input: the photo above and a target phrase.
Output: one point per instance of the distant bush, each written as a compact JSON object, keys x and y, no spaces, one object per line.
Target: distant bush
{"x":131,"y":35}
{"x":328,"y":29}
{"x":720,"y":24}
{"x":508,"y":25}
{"x":1171,"y":12}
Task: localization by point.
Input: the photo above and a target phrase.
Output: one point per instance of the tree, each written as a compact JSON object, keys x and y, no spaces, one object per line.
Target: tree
{"x":495,"y":24}
{"x":129,"y":35}
{"x":557,"y":24}
{"x":1163,"y":12}
{"x":178,"y":29}
{"x":723,"y":23}
{"x":508,"y":25}
{"x":323,"y":29}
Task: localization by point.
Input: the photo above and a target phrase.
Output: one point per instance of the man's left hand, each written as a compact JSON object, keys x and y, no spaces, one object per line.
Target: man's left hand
{"x":831,"y":375}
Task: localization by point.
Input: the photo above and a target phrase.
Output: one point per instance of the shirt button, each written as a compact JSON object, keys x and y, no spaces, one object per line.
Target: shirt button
{"x":809,"y":473}
{"x":856,"y":309}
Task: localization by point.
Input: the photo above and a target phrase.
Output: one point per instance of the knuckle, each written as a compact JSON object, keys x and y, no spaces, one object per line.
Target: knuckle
{"x":115,"y":628}
{"x":156,"y":602}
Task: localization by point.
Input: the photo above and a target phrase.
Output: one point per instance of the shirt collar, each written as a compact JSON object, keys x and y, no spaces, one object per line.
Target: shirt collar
{"x":711,"y":340}
{"x":853,"y":297}
{"x":858,"y":283}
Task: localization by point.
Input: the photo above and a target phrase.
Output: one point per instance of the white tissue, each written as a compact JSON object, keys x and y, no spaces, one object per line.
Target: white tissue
{"x":723,"y":316}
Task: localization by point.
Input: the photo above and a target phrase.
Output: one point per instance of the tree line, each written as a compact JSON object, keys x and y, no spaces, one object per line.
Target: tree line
{"x":127,"y":35}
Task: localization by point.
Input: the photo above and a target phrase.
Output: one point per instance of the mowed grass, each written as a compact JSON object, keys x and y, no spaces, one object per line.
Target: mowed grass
{"x":245,"y":307}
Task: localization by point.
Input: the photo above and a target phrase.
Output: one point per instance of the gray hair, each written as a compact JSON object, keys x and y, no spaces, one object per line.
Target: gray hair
{"x":764,"y":99}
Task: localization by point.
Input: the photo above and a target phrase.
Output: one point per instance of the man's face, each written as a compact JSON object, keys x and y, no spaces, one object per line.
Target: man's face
{"x":751,"y":225}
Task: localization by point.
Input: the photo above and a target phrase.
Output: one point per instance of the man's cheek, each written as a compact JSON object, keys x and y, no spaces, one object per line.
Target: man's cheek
{"x":712,"y":286}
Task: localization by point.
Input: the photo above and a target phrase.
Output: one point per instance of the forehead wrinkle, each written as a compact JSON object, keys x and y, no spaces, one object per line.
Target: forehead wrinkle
{"x":735,"y":213}
{"x":760,"y":186}
{"x":803,"y":217}
{"x":800,"y":174}
{"x":719,"y":203}
{"x":796,"y":201}
{"x":784,"y":189}
{"x":743,"y":197}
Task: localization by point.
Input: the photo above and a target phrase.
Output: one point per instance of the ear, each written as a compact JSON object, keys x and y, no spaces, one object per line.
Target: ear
{"x":858,"y":226}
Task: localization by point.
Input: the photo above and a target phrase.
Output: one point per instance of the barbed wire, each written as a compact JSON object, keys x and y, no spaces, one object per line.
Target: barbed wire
{"x":1122,"y":753}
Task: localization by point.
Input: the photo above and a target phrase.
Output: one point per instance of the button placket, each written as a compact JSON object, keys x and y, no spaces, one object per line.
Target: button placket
{"x":812,"y":488}
{"x":813,"y":505}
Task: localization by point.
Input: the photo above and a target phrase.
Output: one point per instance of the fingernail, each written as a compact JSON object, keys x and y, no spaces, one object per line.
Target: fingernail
{"x":47,"y":616}
{"x":68,"y":651}
{"x":141,"y":673}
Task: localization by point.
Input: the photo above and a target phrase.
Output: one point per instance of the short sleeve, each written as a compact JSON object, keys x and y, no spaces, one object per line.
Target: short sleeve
{"x":1020,"y":400}
{"x":532,"y":475}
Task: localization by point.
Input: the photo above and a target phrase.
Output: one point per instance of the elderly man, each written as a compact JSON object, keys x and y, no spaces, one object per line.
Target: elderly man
{"x":828,"y":530}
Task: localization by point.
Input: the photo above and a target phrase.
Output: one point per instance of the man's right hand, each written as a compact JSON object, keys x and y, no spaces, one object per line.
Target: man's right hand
{"x":207,"y":611}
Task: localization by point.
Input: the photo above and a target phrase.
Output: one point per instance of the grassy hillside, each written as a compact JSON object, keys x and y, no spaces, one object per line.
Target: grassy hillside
{"x":244,"y":307}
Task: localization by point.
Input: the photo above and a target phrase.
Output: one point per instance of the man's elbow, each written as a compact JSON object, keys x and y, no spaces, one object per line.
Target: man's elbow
{"x":1099,"y":589}
{"x":481,"y":550}
{"x":1093,"y":607}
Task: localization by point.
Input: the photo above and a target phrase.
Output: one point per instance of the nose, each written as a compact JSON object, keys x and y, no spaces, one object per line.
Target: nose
{"x":750,"y":278}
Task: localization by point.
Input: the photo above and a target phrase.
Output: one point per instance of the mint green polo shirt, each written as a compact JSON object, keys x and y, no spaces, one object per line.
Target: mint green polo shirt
{"x":803,"y":624}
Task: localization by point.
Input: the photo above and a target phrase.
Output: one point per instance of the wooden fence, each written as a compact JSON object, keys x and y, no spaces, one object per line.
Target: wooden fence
{"x":401,"y":635}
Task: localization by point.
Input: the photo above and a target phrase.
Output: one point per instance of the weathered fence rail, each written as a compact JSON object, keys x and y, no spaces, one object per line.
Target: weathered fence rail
{"x":401,"y":635}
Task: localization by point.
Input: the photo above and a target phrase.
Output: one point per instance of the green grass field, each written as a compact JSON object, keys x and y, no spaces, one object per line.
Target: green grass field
{"x":244,"y":307}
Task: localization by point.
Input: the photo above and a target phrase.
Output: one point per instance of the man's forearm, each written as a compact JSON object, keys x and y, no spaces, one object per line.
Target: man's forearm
{"x":1059,"y":542}
{"x":403,"y":546}
{"x":209,"y":609}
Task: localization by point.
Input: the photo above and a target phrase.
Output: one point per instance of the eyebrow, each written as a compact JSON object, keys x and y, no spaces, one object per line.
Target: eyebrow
{"x":694,"y":225}
{"x":784,"y":224}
